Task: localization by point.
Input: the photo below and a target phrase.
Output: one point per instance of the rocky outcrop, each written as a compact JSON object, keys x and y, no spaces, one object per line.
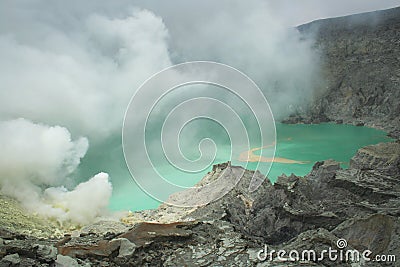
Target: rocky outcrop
{"x":360,"y":68}
{"x":383,"y":158}
{"x":360,"y":204}
{"x":328,"y":196}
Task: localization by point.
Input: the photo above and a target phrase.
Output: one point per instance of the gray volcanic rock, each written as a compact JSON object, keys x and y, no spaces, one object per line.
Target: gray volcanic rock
{"x":359,"y":204}
{"x":103,"y":228}
{"x":361,"y":69}
{"x":310,"y":212}
{"x":374,"y":232}
{"x":63,"y":261}
{"x":364,"y":213}
{"x":383,"y":157}
{"x":10,"y":260}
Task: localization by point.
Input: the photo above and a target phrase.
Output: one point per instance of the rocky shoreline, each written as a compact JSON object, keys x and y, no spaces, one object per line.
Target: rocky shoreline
{"x":359,"y":204}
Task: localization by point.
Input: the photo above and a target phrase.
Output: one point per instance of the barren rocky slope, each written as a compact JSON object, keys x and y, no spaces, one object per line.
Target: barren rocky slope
{"x":360,"y":204}
{"x":361,"y":70}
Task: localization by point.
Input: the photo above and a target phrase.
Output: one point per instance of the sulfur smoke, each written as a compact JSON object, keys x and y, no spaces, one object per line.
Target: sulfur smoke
{"x":67,"y":79}
{"x":69,"y":69}
{"x":36,"y":156}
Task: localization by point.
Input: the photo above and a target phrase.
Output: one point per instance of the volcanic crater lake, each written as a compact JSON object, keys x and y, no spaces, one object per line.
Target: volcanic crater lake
{"x":306,"y":143}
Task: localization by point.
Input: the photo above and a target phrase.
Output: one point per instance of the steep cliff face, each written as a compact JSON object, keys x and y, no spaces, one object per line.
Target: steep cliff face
{"x":361,"y":70}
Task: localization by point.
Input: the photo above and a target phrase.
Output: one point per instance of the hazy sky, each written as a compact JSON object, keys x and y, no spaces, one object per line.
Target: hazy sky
{"x":298,"y":12}
{"x":294,"y":12}
{"x":89,"y":56}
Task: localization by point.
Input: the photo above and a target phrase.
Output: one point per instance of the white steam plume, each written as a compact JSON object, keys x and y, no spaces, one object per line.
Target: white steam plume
{"x":250,"y":37}
{"x":80,"y":73}
{"x":72,"y":67}
{"x":34,"y":157}
{"x":77,"y":63}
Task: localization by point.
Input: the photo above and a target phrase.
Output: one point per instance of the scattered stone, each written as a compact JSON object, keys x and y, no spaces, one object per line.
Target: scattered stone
{"x":126,"y":248}
{"x":81,"y":248}
{"x":359,"y":123}
{"x":360,"y":204}
{"x":145,"y":233}
{"x":104,"y":227}
{"x":45,"y":253}
{"x":395,"y":134}
{"x":66,"y":261}
{"x":310,"y":212}
{"x":10,"y":260}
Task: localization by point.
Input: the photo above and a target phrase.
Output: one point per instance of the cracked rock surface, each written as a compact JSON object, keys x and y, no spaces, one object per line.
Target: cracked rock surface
{"x":360,"y":204}
{"x":302,"y":213}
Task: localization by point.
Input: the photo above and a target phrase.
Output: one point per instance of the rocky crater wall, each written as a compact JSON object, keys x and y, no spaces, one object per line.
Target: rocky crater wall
{"x":360,"y":69}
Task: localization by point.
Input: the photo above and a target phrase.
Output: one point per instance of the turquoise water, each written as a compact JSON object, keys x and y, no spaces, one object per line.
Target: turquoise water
{"x":309,"y":143}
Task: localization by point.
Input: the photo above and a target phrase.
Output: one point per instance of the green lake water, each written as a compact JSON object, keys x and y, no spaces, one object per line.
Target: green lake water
{"x":308,"y":143}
